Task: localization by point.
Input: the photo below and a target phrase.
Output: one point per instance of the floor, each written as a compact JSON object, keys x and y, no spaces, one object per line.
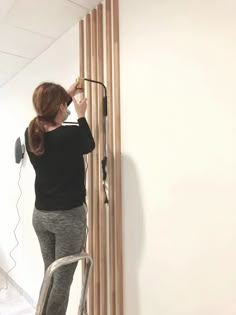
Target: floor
{"x":13,"y":303}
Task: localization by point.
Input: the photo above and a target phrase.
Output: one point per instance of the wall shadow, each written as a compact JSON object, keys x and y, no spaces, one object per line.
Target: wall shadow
{"x":133,"y":234}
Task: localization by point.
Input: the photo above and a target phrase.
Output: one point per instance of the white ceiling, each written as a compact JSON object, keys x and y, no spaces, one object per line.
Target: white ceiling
{"x":29,"y":27}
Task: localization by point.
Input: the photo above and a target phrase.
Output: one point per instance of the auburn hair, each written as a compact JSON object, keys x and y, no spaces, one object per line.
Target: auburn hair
{"x":47,"y":99}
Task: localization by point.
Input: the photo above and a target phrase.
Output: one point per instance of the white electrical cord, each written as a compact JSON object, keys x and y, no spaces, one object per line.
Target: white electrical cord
{"x":18,"y":221}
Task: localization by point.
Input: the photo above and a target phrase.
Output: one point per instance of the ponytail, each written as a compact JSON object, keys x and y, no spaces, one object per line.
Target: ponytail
{"x":36,"y":136}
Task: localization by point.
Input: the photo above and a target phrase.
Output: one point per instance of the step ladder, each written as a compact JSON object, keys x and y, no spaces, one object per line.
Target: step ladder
{"x":57,"y":264}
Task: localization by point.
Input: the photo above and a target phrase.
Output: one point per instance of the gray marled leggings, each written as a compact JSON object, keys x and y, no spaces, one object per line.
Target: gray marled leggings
{"x":60,"y":233}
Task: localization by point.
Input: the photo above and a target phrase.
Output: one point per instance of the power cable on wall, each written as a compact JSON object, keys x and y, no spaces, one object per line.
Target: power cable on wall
{"x":14,"y":231}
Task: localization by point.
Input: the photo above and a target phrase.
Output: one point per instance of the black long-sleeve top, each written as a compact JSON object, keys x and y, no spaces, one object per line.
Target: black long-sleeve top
{"x":59,"y":181}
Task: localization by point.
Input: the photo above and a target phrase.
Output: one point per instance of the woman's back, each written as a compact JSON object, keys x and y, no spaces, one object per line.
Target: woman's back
{"x":59,"y":182}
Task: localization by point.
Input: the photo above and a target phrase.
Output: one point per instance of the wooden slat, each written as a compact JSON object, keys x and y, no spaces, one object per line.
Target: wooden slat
{"x":117,"y":157}
{"x":102,"y":209}
{"x":81,"y":69}
{"x":90,"y":161}
{"x":112,"y":277}
{"x":96,"y":225}
{"x":81,"y":47}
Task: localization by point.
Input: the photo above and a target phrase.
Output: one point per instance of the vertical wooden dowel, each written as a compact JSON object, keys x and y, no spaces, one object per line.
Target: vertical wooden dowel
{"x":81,"y":71}
{"x":81,"y":47}
{"x":95,"y":168}
{"x":117,"y":157}
{"x":102,"y":209}
{"x":112,"y":277}
{"x":81,"y":64}
{"x":90,"y":161}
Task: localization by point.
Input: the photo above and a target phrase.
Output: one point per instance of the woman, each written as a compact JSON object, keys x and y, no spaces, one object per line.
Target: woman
{"x":56,"y":153}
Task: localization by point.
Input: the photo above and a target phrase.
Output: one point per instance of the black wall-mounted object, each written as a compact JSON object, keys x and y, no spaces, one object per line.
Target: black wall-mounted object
{"x":19,"y":150}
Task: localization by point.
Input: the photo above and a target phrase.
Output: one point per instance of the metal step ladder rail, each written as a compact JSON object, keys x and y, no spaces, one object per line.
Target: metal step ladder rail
{"x":53,"y":267}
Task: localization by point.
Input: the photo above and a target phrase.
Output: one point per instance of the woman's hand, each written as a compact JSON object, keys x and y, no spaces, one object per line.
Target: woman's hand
{"x":73,"y":90}
{"x":80,"y":107}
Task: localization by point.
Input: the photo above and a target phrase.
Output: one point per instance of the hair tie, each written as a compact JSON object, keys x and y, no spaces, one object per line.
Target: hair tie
{"x":40,"y":118}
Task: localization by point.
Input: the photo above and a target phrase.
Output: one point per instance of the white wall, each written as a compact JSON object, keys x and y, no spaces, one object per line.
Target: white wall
{"x":60,"y":64}
{"x":179,"y":158}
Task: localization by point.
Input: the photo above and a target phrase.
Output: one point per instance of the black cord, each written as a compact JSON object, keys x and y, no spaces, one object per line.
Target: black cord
{"x":99,"y":82}
{"x":14,"y":231}
{"x":104,"y":160}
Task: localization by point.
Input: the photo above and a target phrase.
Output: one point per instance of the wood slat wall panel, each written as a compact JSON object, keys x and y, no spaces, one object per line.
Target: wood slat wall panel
{"x":117,"y":164}
{"x":112,"y":277}
{"x":90,"y":161}
{"x":95,"y":168}
{"x":101,"y":38}
{"x":82,"y":61}
{"x":102,"y":207}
